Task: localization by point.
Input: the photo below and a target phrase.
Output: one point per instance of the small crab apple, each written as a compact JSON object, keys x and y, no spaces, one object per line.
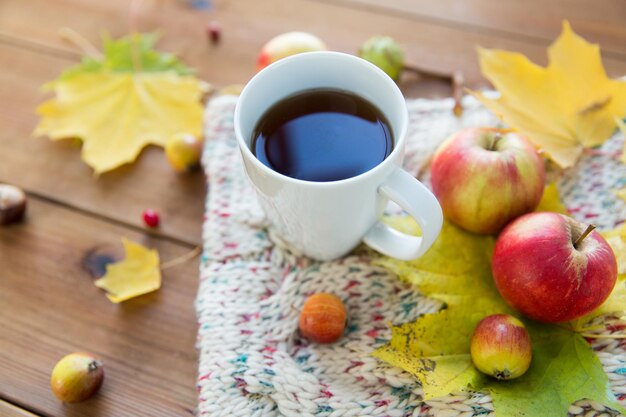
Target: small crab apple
{"x":287,"y":44}
{"x":76,"y":377}
{"x":500,"y":347}
{"x":385,"y":53}
{"x":323,"y":318}
{"x":184,"y":151}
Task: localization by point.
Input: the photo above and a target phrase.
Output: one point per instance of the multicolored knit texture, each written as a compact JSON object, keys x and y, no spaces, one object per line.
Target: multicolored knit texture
{"x":253,"y":361}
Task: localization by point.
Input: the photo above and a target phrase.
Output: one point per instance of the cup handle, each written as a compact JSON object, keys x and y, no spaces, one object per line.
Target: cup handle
{"x":421,"y":204}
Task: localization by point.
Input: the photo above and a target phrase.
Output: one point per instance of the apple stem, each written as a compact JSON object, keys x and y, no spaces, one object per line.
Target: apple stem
{"x":495,"y":138}
{"x":582,"y":237}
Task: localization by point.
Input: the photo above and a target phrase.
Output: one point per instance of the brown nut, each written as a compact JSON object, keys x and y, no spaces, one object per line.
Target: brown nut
{"x":12,"y":204}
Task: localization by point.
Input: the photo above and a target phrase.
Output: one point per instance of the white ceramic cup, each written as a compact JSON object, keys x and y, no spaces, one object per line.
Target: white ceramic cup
{"x":326,"y":220}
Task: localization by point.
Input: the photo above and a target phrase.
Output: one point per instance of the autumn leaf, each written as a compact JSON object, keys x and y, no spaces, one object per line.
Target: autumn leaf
{"x":456,"y":264}
{"x":435,"y":347}
{"x":622,"y":127}
{"x":117,"y":106}
{"x":617,"y":240}
{"x":456,"y":270}
{"x":564,"y":369}
{"x":124,"y":55}
{"x":562,"y":108}
{"x":139,"y":273}
{"x":551,"y":200}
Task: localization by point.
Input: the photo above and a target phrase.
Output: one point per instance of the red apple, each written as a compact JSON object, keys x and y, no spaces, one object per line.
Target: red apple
{"x":500,"y":347}
{"x":287,"y":44}
{"x":552,"y":268}
{"x":485,"y":177}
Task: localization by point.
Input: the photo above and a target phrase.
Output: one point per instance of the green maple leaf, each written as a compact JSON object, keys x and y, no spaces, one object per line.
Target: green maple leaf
{"x":120,"y":55}
{"x":456,"y":271}
{"x":457,"y":263}
{"x":564,"y":369}
{"x":435,"y":347}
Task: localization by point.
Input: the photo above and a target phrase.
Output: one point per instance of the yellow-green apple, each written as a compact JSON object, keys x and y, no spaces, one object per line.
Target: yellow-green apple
{"x":385,"y":53}
{"x":183,"y":151}
{"x":553,"y":268}
{"x":501,"y":347}
{"x":76,"y":377}
{"x":485,"y":177}
{"x":287,"y":44}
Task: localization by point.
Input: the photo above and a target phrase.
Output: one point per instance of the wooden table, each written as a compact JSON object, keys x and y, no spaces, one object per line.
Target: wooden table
{"x":48,"y":304}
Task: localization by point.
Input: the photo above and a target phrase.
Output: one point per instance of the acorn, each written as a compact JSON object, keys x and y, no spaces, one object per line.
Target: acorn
{"x":12,"y":204}
{"x":76,"y":377}
{"x":323,"y":318}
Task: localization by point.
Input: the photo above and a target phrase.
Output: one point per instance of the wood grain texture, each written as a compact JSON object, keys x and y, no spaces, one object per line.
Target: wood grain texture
{"x":532,"y":21}
{"x":247,"y":24}
{"x":50,"y":307}
{"x":48,"y":304}
{"x":55,"y":170}
{"x":9,"y":410}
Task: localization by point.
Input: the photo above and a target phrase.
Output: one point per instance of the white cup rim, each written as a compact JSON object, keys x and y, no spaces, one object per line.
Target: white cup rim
{"x":399,"y":137}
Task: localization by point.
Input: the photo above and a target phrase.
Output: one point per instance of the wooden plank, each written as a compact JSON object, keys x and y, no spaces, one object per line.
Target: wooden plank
{"x":600,"y":21}
{"x":50,"y":307}
{"x":9,"y":410}
{"x":248,"y":24}
{"x":55,"y":170}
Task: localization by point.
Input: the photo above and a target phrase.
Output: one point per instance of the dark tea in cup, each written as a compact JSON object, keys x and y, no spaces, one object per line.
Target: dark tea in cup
{"x":322,"y":138}
{"x":322,"y":135}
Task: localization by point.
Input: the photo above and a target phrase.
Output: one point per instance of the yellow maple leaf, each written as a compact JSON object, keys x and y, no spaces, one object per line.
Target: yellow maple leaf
{"x":551,"y":200}
{"x":139,"y":273}
{"x":562,"y":108}
{"x":616,"y":238}
{"x":622,"y":128}
{"x":117,"y":114}
{"x":436,"y":346}
{"x":616,"y":301}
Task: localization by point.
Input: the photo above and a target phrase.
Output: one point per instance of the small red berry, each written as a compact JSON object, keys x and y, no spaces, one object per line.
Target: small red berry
{"x":214,"y":31}
{"x":151,"y":218}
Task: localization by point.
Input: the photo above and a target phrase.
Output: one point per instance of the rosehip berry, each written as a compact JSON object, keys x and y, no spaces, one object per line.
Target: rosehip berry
{"x":323,"y":318}
{"x":151,"y":218}
{"x":214,"y":31}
